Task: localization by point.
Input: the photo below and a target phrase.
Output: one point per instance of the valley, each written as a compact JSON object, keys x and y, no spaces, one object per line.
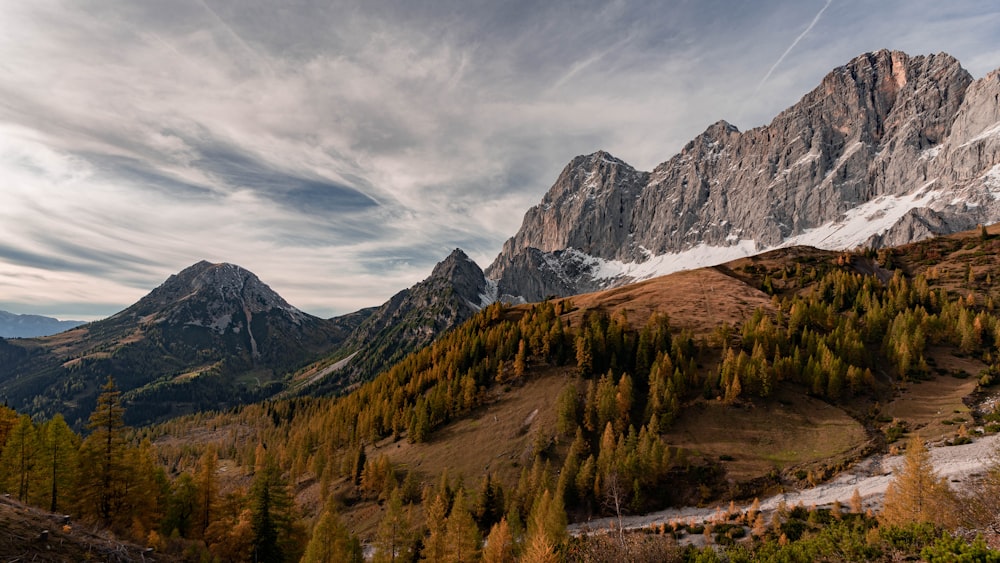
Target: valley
{"x":579,"y":383}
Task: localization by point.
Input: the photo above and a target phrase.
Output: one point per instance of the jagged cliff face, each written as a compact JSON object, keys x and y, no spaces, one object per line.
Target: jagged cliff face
{"x":888,"y":149}
{"x":411,"y":319}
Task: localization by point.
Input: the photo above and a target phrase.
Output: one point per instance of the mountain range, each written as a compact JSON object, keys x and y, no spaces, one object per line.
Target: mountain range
{"x":211,"y":336}
{"x":27,"y":326}
{"x":888,"y":149}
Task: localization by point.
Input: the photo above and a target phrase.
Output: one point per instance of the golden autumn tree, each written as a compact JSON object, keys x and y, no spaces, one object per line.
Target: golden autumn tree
{"x":461,"y":533}
{"x":58,"y":466}
{"x":20,"y":455}
{"x":102,"y":458}
{"x":499,"y":546}
{"x":331,"y":542}
{"x":917,"y":494}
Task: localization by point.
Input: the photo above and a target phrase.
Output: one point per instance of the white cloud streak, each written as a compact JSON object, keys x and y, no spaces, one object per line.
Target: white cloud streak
{"x":808,"y":28}
{"x":339,"y":149}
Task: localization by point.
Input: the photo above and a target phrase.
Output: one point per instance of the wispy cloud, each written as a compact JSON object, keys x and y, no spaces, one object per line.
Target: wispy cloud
{"x":339,"y":149}
{"x":805,"y":31}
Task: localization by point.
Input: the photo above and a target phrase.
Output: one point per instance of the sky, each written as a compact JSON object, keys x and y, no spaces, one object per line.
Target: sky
{"x":340,"y":149}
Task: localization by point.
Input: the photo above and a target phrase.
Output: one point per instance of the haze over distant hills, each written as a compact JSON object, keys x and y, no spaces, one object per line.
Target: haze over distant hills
{"x":28,"y":326}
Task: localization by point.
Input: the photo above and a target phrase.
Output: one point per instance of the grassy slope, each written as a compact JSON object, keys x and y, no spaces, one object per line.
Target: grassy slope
{"x":790,"y":433}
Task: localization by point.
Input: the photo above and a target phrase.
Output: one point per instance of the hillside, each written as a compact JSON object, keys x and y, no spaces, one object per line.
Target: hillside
{"x":747,"y":380}
{"x":30,"y":534}
{"x":764,"y":374}
{"x":414,"y":317}
{"x":210,"y":337}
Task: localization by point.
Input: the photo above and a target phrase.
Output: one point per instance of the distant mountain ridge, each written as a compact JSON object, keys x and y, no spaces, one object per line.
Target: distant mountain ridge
{"x":29,"y":326}
{"x":209,"y":337}
{"x":888,"y":149}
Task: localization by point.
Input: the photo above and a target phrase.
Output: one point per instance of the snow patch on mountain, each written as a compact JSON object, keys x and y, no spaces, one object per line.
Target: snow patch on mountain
{"x":854,"y":228}
{"x":868,"y":220}
{"x":491,"y":295}
{"x":610,"y":271}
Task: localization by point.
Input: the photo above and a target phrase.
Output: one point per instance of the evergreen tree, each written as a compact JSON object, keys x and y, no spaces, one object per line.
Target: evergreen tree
{"x":331,"y":542}
{"x":181,"y":506}
{"x":144,"y":492}
{"x":102,"y":458}
{"x":916,"y":493}
{"x":546,"y":527}
{"x":58,"y":463}
{"x":461,"y":533}
{"x":20,"y":455}
{"x":263,"y":526}
{"x":8,"y":418}
{"x":207,"y":489}
{"x":393,"y":542}
{"x":499,"y":544}
{"x":271,"y":518}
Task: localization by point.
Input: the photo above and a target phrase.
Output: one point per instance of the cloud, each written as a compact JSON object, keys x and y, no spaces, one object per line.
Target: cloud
{"x":798,"y":38}
{"x":339,"y":149}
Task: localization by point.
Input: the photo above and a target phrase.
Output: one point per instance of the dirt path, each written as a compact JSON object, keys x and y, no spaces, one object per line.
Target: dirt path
{"x":870,"y":477}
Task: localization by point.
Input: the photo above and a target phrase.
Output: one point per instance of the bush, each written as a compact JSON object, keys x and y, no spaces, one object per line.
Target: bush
{"x":949,"y":549}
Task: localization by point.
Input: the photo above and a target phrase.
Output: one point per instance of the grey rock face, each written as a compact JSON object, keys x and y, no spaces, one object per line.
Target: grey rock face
{"x":880,"y":136}
{"x":412,"y":318}
{"x":217,"y":296}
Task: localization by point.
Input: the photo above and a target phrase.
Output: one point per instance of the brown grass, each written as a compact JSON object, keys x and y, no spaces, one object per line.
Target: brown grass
{"x":21,"y":539}
{"x":496,"y":439}
{"x":698,"y":300}
{"x":790,"y":430}
{"x":926,"y":405}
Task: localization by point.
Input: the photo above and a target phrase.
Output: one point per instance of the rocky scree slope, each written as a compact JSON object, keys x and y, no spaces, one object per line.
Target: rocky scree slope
{"x":888,"y":149}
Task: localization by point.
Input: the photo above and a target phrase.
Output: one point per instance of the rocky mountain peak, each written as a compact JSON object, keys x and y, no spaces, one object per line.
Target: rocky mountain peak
{"x":210,"y":295}
{"x":888,"y":148}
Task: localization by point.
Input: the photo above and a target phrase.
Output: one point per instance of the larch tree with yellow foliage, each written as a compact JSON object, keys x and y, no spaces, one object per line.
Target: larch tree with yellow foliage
{"x":917,"y":494}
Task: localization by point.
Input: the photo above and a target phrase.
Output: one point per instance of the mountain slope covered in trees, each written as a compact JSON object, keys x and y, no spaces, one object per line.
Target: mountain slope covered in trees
{"x":210,"y":337}
{"x":527,"y":417}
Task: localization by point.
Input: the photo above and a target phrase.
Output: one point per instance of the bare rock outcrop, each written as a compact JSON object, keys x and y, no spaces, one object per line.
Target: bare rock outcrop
{"x":905,"y":147}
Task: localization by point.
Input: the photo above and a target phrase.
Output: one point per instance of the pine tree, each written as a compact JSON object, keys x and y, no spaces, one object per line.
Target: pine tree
{"x":20,"y":455}
{"x":262,"y":523}
{"x":331,"y":542}
{"x":8,"y":418}
{"x":208,"y":490}
{"x":857,"y":504}
{"x":499,"y":544}
{"x":436,"y":513}
{"x":916,"y":493}
{"x":546,"y":527}
{"x":102,"y":457}
{"x":272,"y":521}
{"x":181,"y":507}
{"x":59,"y":461}
{"x":393,"y":542}
{"x":144,"y":492}
{"x":540,"y":550}
{"x":461,"y":533}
